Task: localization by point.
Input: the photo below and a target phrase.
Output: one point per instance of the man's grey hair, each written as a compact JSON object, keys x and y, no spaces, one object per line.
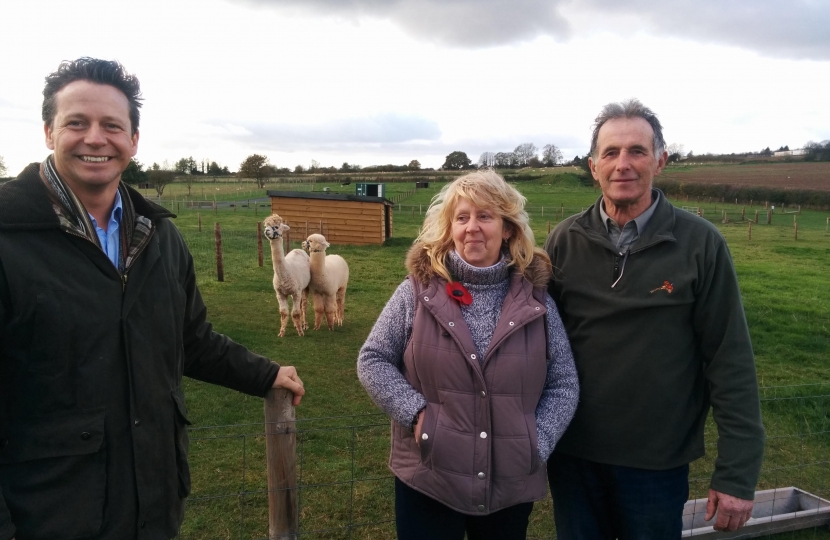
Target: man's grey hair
{"x":631,"y":108}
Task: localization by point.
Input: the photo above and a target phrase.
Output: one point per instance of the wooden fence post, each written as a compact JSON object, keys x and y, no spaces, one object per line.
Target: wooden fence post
{"x":795,"y":231}
{"x":749,"y":233}
{"x":548,"y":227}
{"x":756,"y":215}
{"x":220,"y":266}
{"x":199,"y":217}
{"x":281,"y":460}
{"x":769,"y":216}
{"x":743,"y":213}
{"x":259,"y":242}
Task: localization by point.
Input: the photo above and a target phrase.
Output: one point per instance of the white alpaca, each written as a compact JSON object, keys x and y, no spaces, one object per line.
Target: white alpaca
{"x":329,"y":279}
{"x":291,"y":275}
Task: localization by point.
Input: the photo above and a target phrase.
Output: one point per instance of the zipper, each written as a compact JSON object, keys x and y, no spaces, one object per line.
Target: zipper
{"x":620,"y":270}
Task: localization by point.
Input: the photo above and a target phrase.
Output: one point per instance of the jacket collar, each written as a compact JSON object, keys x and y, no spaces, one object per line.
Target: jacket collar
{"x":25,"y":204}
{"x":660,"y":227}
{"x":538,"y":272}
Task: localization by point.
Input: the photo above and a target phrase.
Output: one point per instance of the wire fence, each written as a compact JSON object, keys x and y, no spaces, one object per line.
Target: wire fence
{"x":242,"y":247}
{"x":344,"y":489}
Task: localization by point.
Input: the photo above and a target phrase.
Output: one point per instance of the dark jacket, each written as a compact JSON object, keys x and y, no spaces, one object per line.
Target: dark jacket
{"x":478,"y":452}
{"x":92,"y":414}
{"x":654,"y":352}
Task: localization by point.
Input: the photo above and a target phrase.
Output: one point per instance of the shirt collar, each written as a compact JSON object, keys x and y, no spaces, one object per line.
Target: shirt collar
{"x":115,"y":215}
{"x":640,"y":221}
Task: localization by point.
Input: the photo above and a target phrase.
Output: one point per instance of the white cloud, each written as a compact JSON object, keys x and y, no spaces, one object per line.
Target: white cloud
{"x":779,"y":28}
{"x":382,"y":81}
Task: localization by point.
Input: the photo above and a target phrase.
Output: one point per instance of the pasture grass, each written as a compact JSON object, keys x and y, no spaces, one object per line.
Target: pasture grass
{"x":784,"y":286}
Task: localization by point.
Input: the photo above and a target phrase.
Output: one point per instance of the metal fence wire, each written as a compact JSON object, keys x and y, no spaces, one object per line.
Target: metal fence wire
{"x":345,"y":490}
{"x":240,"y":251}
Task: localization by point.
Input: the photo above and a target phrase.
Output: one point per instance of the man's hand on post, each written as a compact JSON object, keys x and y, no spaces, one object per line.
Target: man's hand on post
{"x":732,"y":511}
{"x":287,"y":378}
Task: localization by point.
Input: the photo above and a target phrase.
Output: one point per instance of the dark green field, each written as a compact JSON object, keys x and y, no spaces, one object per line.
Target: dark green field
{"x":784,"y":283}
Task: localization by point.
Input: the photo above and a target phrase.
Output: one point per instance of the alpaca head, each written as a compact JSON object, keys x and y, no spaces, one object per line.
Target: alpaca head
{"x":274,"y":227}
{"x":315,"y":243}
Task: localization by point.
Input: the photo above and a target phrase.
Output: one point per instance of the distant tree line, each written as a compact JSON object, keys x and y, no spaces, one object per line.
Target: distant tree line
{"x":814,"y":151}
{"x":727,"y":192}
{"x":158,"y":176}
{"x":524,"y":155}
{"x":257,"y":166}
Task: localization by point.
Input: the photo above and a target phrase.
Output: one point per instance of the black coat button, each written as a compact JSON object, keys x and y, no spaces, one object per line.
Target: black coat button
{"x":143,"y":524}
{"x":85,"y":436}
{"x":137,"y":422}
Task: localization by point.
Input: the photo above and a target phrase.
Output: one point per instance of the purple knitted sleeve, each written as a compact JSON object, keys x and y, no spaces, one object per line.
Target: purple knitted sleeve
{"x":561,"y":393}
{"x":380,"y":360}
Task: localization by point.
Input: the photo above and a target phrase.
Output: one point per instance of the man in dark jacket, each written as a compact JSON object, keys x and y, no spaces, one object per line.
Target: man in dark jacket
{"x":100,"y":317}
{"x":651,"y":304}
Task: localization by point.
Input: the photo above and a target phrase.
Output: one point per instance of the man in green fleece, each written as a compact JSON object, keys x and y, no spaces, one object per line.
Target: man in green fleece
{"x":650,"y":300}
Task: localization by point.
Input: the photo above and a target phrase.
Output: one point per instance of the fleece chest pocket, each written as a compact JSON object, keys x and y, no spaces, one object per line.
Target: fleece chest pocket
{"x":53,"y":475}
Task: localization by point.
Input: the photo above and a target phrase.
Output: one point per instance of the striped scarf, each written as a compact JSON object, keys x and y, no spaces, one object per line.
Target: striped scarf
{"x":136,"y":230}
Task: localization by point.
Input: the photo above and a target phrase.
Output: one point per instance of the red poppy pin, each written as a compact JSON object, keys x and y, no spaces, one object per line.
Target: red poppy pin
{"x":458,"y":292}
{"x":667,"y":286}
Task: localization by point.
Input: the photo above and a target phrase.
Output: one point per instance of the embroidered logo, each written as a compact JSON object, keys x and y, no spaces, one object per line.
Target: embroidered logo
{"x":667,"y":286}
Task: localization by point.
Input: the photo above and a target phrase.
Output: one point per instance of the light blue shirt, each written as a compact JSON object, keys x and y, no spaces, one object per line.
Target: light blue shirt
{"x":110,"y":239}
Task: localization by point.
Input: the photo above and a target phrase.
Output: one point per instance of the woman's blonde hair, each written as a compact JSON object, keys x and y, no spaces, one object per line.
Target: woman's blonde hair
{"x":485,"y":189}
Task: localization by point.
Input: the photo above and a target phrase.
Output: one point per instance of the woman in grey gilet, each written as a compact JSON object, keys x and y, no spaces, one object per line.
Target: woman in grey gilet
{"x":470,"y":360}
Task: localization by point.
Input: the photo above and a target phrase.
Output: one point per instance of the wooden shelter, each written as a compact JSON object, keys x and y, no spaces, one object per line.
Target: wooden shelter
{"x":342,"y":219}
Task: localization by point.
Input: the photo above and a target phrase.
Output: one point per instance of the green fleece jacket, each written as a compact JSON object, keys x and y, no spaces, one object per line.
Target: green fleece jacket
{"x":655,"y":351}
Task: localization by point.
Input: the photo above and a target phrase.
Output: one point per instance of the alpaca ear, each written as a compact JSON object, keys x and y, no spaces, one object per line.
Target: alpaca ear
{"x":326,"y":244}
{"x":285,"y":227}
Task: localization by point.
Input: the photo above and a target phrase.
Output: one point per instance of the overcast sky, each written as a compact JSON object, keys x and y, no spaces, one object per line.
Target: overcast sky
{"x":387,"y":81}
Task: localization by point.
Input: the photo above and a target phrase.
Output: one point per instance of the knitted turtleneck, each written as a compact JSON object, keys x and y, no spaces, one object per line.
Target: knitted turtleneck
{"x":488,"y":286}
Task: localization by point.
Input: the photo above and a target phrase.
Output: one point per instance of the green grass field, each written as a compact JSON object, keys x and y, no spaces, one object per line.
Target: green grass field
{"x":786,"y":296}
